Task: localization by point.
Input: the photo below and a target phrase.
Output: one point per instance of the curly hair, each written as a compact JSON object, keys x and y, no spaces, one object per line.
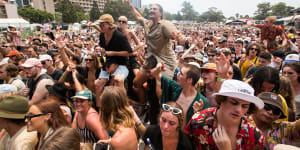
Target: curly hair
{"x":114,"y":109}
{"x":250,"y":46}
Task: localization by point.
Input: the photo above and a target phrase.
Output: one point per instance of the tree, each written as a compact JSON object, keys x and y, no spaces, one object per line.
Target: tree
{"x":212,"y":15}
{"x":237,"y":16}
{"x":117,"y":8}
{"x":281,"y":9}
{"x":95,"y":12}
{"x":178,"y":16}
{"x":35,"y":15}
{"x":188,"y":11}
{"x":58,"y":17}
{"x":263,"y":10}
{"x":67,"y":10}
{"x":169,"y":16}
{"x":231,"y":18}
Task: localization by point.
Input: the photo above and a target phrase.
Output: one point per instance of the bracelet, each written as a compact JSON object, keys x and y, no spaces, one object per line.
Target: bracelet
{"x":220,"y":79}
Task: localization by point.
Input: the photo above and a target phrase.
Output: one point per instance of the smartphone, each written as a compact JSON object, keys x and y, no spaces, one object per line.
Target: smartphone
{"x":100,"y":146}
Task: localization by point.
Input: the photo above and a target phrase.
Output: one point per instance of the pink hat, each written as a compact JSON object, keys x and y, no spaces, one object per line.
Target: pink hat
{"x":32,"y":62}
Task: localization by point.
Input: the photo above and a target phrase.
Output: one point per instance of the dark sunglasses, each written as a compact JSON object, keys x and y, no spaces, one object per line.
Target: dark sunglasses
{"x":89,"y":59}
{"x":211,"y":55}
{"x":175,"y":111}
{"x":254,"y":49}
{"x":43,"y":62}
{"x":275,"y":110}
{"x":121,"y":21}
{"x":102,"y":24}
{"x":30,"y":116}
{"x":207,"y":70}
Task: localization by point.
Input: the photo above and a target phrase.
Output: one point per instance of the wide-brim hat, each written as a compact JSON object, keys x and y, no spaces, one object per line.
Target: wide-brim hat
{"x":210,"y":66}
{"x":14,"y":107}
{"x":108,"y":19}
{"x":58,"y":89}
{"x":240,"y":90}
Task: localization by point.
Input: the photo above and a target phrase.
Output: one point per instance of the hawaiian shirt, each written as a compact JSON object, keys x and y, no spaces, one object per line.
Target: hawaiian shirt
{"x":203,"y":124}
{"x":281,"y":133}
{"x":269,"y":33}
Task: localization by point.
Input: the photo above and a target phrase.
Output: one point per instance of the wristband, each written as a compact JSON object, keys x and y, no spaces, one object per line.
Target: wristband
{"x":220,"y":79}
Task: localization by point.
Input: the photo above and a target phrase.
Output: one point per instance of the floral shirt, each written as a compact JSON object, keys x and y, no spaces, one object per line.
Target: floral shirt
{"x":203,"y":124}
{"x":269,"y":33}
{"x":281,"y":133}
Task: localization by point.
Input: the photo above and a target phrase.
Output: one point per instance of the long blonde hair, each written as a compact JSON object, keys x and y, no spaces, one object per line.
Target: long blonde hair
{"x":114,"y":109}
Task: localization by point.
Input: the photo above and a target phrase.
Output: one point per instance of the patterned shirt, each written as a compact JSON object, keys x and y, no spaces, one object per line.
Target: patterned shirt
{"x":203,"y":124}
{"x":281,"y":133}
{"x":269,"y":33}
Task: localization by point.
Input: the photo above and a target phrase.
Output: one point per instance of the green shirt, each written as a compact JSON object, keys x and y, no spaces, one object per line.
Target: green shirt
{"x":171,"y":91}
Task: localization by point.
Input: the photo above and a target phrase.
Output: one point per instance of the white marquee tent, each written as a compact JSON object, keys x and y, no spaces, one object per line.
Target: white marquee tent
{"x":4,"y":23}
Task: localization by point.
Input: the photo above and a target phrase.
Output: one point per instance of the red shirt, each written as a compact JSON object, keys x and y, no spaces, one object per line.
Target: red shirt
{"x":269,"y":33}
{"x":203,"y":124}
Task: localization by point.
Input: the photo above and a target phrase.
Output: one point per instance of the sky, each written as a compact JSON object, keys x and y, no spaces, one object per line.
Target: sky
{"x":228,"y":7}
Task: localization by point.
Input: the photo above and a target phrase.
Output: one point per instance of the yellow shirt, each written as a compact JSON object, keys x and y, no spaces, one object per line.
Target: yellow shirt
{"x":245,"y":66}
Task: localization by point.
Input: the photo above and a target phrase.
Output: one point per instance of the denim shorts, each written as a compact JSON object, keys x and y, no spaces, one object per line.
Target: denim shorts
{"x":122,"y":69}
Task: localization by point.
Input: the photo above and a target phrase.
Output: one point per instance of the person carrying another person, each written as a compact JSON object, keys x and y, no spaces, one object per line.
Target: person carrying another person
{"x":117,"y":50}
{"x":269,"y":31}
{"x":182,"y":92}
{"x":226,"y":126}
{"x":159,"y":34}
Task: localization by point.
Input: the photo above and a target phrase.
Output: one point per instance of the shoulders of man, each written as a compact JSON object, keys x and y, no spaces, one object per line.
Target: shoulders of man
{"x":25,"y":140}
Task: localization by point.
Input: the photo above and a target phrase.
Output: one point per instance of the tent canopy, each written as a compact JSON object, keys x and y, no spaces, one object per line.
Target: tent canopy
{"x":4,"y":23}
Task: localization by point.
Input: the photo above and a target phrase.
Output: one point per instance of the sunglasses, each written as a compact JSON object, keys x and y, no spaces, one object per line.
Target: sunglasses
{"x":30,"y":116}
{"x":275,"y":110}
{"x":175,"y":111}
{"x":121,"y":21}
{"x":102,"y":24}
{"x":211,"y":55}
{"x":254,"y":49}
{"x":207,"y":70}
{"x":43,"y":62}
{"x":89,"y":59}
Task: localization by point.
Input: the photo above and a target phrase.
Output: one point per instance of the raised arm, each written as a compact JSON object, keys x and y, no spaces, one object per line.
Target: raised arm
{"x":135,"y":13}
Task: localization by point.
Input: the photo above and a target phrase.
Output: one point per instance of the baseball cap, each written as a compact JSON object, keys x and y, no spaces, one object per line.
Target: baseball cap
{"x":240,"y":90}
{"x":12,"y":26}
{"x":13,"y":107}
{"x":272,"y":99}
{"x":85,"y":94}
{"x":5,"y":88}
{"x":107,"y":18}
{"x":222,"y":39}
{"x":211,"y":66}
{"x":195,"y":64}
{"x":13,"y":53}
{"x":198,"y":56}
{"x":32,"y":62}
{"x":45,"y":57}
{"x":292,"y":58}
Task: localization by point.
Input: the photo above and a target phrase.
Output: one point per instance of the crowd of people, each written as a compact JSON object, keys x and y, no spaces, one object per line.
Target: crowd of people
{"x":157,"y":86}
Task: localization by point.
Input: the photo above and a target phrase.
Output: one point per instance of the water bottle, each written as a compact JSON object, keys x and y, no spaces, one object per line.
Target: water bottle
{"x":150,"y":144}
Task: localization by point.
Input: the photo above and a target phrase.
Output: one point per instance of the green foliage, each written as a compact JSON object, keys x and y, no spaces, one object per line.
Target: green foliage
{"x":67,"y":10}
{"x":281,"y":9}
{"x":188,"y":11}
{"x":117,"y":8}
{"x":212,"y":15}
{"x":95,"y":12}
{"x":35,"y":15}
{"x":263,"y":10}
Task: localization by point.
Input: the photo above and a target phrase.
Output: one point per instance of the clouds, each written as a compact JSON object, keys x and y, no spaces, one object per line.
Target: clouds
{"x":228,"y":7}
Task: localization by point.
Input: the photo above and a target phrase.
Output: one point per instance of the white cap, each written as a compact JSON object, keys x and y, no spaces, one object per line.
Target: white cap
{"x":292,"y":58}
{"x":240,"y":90}
{"x":45,"y":57}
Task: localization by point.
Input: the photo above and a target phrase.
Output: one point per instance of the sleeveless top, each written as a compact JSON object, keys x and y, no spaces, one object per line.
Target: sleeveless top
{"x":86,"y":135}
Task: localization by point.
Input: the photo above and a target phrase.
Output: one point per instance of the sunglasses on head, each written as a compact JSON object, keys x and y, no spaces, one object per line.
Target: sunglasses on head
{"x":175,"y":111}
{"x":30,"y":116}
{"x":121,"y":21}
{"x":254,"y":49}
{"x":275,"y":110}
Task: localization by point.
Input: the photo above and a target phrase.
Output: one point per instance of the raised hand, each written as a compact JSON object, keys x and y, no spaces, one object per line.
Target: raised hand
{"x":197,"y":106}
{"x":222,"y":64}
